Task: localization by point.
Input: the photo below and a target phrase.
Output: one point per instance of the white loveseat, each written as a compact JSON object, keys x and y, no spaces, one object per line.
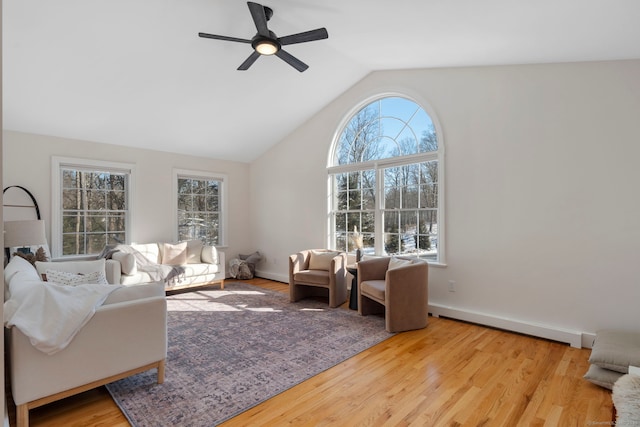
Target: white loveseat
{"x":126,"y":335}
{"x":178,"y":265}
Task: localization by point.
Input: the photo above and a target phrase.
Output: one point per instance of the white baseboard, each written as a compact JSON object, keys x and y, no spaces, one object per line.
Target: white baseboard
{"x":273,"y":276}
{"x":574,"y":338}
{"x":571,"y":337}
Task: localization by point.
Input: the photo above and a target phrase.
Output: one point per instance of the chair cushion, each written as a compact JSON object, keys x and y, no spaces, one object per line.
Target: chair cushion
{"x":316,"y":277}
{"x":374,"y":288}
{"x":321,"y":260}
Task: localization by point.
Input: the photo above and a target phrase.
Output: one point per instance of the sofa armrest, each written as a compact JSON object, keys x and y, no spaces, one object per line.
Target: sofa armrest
{"x":118,"y":338}
{"x":408,"y":285}
{"x":113,"y":271}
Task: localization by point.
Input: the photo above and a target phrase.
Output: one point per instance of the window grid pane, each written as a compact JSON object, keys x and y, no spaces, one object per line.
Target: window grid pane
{"x":199,"y":209}
{"x":388,"y":128}
{"x":94,"y":210}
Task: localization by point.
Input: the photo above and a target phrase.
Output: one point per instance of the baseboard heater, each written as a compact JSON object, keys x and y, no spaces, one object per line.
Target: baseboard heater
{"x":571,"y":337}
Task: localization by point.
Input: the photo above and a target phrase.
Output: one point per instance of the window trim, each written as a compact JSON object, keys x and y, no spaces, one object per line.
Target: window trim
{"x":380,"y":164}
{"x":56,"y":194}
{"x":198,"y":174}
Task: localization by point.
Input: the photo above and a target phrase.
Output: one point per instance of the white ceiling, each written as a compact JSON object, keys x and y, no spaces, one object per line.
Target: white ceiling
{"x":135,"y":72}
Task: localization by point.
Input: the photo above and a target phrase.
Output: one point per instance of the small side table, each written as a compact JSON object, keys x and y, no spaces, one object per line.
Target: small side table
{"x":353,"y":298}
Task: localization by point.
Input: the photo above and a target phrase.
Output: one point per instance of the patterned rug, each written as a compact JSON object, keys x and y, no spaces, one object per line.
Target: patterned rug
{"x":232,"y":349}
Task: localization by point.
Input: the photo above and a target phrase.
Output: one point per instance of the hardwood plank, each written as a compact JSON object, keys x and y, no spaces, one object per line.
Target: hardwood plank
{"x":450,"y":374}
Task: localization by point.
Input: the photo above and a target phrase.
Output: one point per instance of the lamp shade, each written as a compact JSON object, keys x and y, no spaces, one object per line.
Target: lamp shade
{"x":24,"y":233}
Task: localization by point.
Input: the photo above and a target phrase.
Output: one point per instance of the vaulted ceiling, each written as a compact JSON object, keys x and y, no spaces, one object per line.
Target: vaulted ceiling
{"x":135,"y":72}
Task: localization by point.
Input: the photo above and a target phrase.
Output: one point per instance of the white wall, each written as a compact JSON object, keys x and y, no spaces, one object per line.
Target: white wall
{"x":27,"y":162}
{"x":542,"y":201}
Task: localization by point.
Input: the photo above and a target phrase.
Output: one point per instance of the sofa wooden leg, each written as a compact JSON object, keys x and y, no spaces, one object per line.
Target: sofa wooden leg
{"x":161,"y":372}
{"x":22,"y":415}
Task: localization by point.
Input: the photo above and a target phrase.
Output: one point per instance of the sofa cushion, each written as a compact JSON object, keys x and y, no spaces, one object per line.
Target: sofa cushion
{"x":616,"y":350}
{"x":200,"y":269}
{"x":174,"y":254}
{"x":194,"y":249}
{"x":209,"y":254}
{"x":127,"y":262}
{"x":72,"y":279}
{"x":77,"y":267}
{"x":321,"y":260}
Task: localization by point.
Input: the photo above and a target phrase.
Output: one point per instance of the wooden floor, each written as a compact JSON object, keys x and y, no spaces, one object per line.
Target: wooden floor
{"x":450,"y":374}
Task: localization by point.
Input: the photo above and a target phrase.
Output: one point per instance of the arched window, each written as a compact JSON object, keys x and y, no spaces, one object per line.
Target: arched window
{"x":385,"y":174}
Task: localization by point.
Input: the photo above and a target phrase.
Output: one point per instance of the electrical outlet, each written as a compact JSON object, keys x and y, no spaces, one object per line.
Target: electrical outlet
{"x":452,"y":285}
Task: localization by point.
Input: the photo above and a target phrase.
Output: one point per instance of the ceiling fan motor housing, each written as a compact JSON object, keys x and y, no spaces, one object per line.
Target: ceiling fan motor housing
{"x":259,"y":43}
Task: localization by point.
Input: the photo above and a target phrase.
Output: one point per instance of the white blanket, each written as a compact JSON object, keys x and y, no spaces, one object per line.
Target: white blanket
{"x":51,"y":315}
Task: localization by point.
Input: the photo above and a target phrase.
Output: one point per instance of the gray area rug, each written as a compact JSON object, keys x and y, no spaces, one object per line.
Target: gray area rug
{"x":232,"y":349}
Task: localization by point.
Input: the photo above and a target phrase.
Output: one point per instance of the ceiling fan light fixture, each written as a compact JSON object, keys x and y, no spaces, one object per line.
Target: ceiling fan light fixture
{"x":265,"y":46}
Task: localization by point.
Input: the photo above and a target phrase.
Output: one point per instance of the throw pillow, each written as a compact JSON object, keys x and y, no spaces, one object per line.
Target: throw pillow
{"x":616,"y":350}
{"x":174,"y":254}
{"x":602,"y":377}
{"x":71,"y":279}
{"x":209,"y":254}
{"x":253,"y":258}
{"x":321,"y":260}
{"x":397,"y":263}
{"x":248,"y":266}
{"x":77,"y":267}
{"x":194,"y":249}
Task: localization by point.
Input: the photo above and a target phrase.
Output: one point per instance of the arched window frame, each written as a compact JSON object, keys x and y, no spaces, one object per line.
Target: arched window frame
{"x":379,"y":166}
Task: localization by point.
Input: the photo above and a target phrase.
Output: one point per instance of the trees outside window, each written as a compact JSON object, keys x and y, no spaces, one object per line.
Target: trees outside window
{"x":385,"y":177}
{"x":92,"y":207}
{"x":200,"y":207}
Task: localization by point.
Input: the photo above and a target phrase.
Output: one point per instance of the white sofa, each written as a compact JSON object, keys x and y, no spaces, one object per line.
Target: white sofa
{"x":197,"y":264}
{"x":126,"y":335}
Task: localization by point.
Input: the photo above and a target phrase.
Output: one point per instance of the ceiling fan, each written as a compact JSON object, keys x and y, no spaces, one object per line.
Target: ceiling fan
{"x":265,"y":42}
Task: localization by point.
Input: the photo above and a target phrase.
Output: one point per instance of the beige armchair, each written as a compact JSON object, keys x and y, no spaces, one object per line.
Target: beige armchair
{"x":395,"y":286}
{"x":318,"y":272}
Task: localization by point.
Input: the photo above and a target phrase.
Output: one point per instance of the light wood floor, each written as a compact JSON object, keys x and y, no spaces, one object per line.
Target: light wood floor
{"x":450,"y":374}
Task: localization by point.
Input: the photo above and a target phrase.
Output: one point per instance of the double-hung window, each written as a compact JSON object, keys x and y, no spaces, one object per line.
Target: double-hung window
{"x":386,"y":181}
{"x":91,"y":205}
{"x":200,"y":206}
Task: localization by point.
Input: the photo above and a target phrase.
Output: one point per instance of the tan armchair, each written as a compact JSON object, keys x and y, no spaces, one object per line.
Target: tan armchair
{"x":318,"y":272}
{"x":395,"y":286}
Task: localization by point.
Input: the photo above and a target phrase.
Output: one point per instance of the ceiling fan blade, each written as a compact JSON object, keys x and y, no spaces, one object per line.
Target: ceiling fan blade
{"x":230,"y":39}
{"x":249,"y":61}
{"x":307,"y":36}
{"x":291,"y":60}
{"x":259,"y":18}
